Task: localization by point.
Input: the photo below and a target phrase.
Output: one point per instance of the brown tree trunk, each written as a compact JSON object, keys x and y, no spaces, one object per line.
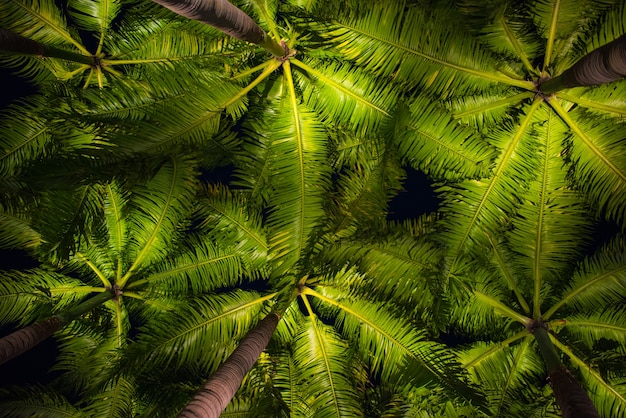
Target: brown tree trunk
{"x":28,"y":337}
{"x":226,"y":17}
{"x":218,"y":391}
{"x":603,"y":65}
{"x":24,"y":339}
{"x":571,"y":397}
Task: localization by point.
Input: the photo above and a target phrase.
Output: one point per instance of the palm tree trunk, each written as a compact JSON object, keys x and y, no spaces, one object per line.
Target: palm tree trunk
{"x":571,"y":397}
{"x":26,"y":338}
{"x":218,"y":391}
{"x":17,"y":44}
{"x":226,"y":17}
{"x":605,"y":64}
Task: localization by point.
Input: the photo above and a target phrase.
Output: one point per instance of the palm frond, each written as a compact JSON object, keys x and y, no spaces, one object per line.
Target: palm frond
{"x":285,"y":380}
{"x":344,"y":94}
{"x":140,"y":117}
{"x":67,"y":219}
{"x":507,"y":28}
{"x":509,"y":375}
{"x":115,"y":213}
{"x":598,"y":281}
{"x":203,"y":267}
{"x":415,"y":47}
{"x":202,"y":332}
{"x":560,"y":22}
{"x":552,"y":219}
{"x":116,"y":399}
{"x":40,"y":20}
{"x":591,"y":327}
{"x":608,"y":394}
{"x":429,"y":140}
{"x":24,"y":137}
{"x":95,"y":16}
{"x":600,"y":162}
{"x":369,"y":175}
{"x":31,"y":402}
{"x":487,"y":111}
{"x":25,"y":295}
{"x":322,"y":360}
{"x":225,"y":216}
{"x":157,"y":209}
{"x":16,"y":233}
{"x":400,"y":269}
{"x":474,"y":206}
{"x":605,"y":100}
{"x":299,"y":179}
{"x":392,"y":346}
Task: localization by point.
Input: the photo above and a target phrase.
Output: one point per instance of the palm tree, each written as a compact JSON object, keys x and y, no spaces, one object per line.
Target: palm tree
{"x":450,"y":90}
{"x":132,"y":247}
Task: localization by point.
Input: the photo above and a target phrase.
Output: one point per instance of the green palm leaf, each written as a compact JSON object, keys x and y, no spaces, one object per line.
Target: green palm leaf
{"x":158,"y":208}
{"x":202,"y":268}
{"x":320,"y":357}
{"x":599,"y":160}
{"x":474,"y":206}
{"x":508,"y":374}
{"x":32,"y":402}
{"x":299,"y":177}
{"x":382,"y":42}
{"x":225,"y":215}
{"x":25,"y":138}
{"x":431,"y":141}
{"x":390,"y":345}
{"x":94,"y":16}
{"x":593,"y":326}
{"x":205,"y":327}
{"x":345,"y":95}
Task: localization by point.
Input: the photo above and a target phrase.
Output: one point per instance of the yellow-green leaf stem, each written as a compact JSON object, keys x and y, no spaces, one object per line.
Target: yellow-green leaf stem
{"x":591,"y":104}
{"x":494,"y":105}
{"x":300,"y":144}
{"x":552,"y":33}
{"x":497,"y":347}
{"x":119,"y":319}
{"x":501,"y":308}
{"x":252,"y":70}
{"x":96,"y":270}
{"x":74,"y":289}
{"x":274,"y":64}
{"x":518,"y":48}
{"x":336,"y":85}
{"x":320,"y":341}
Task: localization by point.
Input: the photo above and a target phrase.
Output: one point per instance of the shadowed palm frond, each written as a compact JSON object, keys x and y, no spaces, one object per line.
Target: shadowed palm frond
{"x":19,"y":402}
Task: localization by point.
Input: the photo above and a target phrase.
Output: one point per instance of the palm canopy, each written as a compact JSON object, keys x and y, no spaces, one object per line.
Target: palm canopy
{"x":451,"y":90}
